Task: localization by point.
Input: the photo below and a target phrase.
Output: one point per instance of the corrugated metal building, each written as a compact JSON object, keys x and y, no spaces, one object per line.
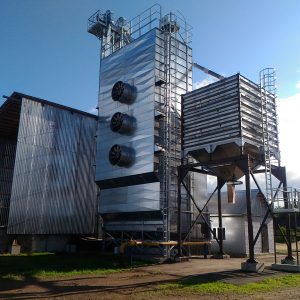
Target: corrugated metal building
{"x":235,"y":223}
{"x":48,"y":162}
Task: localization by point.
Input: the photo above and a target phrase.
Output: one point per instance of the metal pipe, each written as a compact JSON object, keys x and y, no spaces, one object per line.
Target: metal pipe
{"x":207,"y":71}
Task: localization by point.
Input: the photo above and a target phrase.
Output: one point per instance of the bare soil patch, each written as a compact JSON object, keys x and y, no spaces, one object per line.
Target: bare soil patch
{"x":143,"y":282}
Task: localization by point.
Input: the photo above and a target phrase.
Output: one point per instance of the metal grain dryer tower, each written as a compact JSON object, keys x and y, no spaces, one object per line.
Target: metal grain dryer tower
{"x":146,"y":65}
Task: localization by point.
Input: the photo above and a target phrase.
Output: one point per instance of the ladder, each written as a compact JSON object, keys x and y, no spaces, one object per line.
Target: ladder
{"x":266,"y":146}
{"x":167,"y":135}
{"x":267,"y":91}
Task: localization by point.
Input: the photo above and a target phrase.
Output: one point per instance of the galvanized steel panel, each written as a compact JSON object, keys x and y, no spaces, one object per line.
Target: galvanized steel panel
{"x":132,"y":64}
{"x":7,"y":159}
{"x":211,"y":115}
{"x":225,"y":112}
{"x":142,"y":63}
{"x":53,"y":185}
{"x":142,"y":197}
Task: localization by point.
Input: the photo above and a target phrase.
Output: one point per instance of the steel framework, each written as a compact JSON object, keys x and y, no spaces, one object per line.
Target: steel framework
{"x":244,"y":162}
{"x":250,"y":164}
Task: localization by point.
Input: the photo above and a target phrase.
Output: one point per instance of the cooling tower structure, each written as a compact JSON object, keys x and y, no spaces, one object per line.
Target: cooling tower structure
{"x":146,"y":65}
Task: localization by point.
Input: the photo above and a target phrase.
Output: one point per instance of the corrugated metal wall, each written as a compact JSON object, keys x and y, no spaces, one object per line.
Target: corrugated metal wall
{"x":7,"y":159}
{"x":235,"y":222}
{"x":53,"y":188}
{"x":211,"y":115}
{"x":143,"y":63}
{"x":224,"y":112}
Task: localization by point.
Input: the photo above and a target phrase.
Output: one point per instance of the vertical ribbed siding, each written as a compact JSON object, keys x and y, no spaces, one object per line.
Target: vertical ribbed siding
{"x":53,"y":186}
{"x":7,"y":158}
{"x":143,"y":62}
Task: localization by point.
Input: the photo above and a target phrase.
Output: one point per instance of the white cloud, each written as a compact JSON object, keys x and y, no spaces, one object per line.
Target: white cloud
{"x":288,"y":118}
{"x":204,"y":82}
{"x":298,"y":85}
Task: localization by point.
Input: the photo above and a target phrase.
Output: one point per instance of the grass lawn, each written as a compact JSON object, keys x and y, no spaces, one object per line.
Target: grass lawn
{"x":194,"y":286}
{"x":56,"y":265}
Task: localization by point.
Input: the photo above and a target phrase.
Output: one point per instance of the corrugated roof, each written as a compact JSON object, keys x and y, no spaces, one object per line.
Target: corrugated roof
{"x":11,"y":108}
{"x":17,"y":95}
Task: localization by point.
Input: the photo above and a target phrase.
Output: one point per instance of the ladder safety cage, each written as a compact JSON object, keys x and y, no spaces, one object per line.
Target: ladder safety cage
{"x":269,"y":127}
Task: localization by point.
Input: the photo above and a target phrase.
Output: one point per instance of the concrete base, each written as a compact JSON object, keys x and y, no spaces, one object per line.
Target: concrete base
{"x":15,"y":249}
{"x":287,"y":261}
{"x":253,"y":267}
{"x":286,"y":267}
{"x":220,"y":256}
{"x":181,"y":258}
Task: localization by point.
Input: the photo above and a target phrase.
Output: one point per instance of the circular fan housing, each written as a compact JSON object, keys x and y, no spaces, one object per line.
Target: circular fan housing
{"x":123,"y":92}
{"x":122,"y":123}
{"x":121,"y":155}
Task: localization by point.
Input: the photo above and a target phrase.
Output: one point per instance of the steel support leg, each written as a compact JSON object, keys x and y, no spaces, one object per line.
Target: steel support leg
{"x":280,"y":174}
{"x":289,"y":239}
{"x":179,"y":244}
{"x":249,"y":219}
{"x":220,"y":184}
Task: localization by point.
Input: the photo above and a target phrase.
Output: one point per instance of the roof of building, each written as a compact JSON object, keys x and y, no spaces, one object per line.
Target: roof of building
{"x":11,"y":108}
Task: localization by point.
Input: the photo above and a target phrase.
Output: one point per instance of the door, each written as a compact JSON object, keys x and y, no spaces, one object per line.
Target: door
{"x":264,"y":239}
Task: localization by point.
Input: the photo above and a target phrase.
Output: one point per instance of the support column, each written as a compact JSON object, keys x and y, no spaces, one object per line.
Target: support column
{"x":289,"y":258}
{"x":251,"y":258}
{"x":220,"y":229}
{"x":280,"y":174}
{"x":179,"y":244}
{"x":251,"y":265}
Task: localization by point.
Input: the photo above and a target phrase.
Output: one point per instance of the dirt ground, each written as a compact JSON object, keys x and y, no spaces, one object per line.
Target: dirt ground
{"x":140,"y":282}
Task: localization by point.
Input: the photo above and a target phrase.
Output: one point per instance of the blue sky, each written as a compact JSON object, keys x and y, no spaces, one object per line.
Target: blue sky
{"x":46,"y":52}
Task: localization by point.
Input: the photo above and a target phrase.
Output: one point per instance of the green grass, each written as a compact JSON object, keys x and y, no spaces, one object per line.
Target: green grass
{"x":193,"y":285}
{"x":43,"y":265}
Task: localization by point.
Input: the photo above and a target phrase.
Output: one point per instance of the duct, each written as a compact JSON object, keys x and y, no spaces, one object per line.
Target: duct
{"x":121,"y":156}
{"x":123,"y":92}
{"x":122,"y":123}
